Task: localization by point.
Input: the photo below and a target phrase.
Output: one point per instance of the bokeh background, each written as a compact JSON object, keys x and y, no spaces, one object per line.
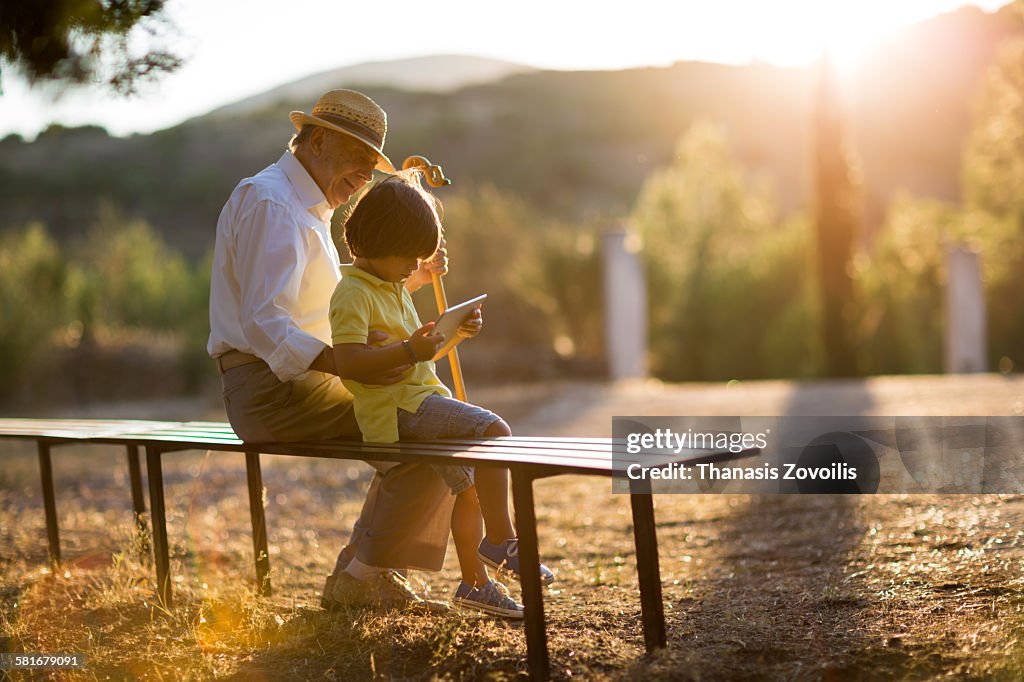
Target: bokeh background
{"x":754,"y":159}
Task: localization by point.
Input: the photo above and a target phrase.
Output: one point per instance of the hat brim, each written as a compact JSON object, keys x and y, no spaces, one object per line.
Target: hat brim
{"x":301,"y":118}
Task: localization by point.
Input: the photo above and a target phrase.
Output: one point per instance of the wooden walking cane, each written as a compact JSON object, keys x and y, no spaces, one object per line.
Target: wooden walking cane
{"x":435,"y":178}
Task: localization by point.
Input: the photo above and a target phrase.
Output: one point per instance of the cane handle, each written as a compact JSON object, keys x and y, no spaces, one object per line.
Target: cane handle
{"x":432,"y":172}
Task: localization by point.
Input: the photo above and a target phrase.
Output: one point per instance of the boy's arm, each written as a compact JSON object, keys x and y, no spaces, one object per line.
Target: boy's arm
{"x":359,"y":360}
{"x":350,"y":315}
{"x":324,"y":362}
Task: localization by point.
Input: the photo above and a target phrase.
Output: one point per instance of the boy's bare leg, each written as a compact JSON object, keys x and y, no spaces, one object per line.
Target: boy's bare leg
{"x":492,"y":487}
{"x":467,"y":531}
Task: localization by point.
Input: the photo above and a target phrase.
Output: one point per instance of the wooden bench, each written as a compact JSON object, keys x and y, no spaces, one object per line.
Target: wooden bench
{"x":527,"y":459}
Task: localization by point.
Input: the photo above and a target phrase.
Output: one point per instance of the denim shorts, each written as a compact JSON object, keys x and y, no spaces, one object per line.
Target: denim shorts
{"x":440,"y":417}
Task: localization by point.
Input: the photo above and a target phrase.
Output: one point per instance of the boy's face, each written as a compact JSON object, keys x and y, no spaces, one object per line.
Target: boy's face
{"x":394,"y":268}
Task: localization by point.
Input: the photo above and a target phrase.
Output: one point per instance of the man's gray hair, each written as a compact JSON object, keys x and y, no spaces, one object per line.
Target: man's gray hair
{"x":301,"y":137}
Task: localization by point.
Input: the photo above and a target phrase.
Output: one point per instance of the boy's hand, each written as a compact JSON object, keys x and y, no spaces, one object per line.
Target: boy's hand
{"x":473,"y":324}
{"x":438,"y":263}
{"x":425,"y":344}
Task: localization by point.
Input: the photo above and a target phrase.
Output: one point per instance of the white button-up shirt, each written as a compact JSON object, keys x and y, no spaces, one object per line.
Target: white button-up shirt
{"x":275,"y":268}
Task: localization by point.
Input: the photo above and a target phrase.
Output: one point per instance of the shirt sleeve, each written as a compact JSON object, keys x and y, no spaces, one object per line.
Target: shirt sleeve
{"x":350,"y":315}
{"x":272,"y":254}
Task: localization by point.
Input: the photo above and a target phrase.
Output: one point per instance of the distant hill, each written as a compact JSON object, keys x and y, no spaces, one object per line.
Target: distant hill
{"x":574,"y":144}
{"x":435,"y":73}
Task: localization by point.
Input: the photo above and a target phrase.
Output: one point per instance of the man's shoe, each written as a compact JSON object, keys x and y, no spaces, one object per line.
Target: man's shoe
{"x":393,"y":591}
{"x":504,"y":556}
{"x":491,"y":597}
{"x":327,"y":602}
{"x":343,"y":590}
{"x":386,"y":590}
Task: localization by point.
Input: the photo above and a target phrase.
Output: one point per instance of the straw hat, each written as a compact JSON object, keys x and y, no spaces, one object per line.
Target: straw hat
{"x":350,"y":113}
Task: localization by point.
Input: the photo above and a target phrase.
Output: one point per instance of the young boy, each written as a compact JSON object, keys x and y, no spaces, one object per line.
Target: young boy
{"x":392,"y":228}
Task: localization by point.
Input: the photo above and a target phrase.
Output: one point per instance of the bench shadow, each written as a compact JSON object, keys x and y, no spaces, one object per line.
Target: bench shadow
{"x":778,"y":595}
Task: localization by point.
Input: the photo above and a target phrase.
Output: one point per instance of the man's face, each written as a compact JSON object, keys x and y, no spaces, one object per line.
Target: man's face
{"x":344,"y":165}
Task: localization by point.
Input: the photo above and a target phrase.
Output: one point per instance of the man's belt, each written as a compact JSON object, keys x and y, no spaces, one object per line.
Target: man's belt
{"x":234,"y":358}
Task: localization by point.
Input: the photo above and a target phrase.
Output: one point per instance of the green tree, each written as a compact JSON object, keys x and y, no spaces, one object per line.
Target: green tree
{"x":128,"y":277}
{"x":32,"y":297}
{"x":993,"y":178}
{"x":729,"y":286}
{"x":562,"y":277}
{"x":902,"y":318}
{"x":903,"y":282}
{"x":84,"y":41}
{"x":492,"y":236}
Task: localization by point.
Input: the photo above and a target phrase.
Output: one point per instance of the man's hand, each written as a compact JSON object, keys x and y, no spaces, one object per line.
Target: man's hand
{"x":375,"y":338}
{"x":436,"y":264}
{"x":387,"y":378}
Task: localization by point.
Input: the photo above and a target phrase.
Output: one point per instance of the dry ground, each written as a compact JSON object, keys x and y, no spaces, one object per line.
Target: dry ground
{"x":756,"y":587}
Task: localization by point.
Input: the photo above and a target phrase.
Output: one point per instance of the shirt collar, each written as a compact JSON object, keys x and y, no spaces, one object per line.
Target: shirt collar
{"x":353,"y":271}
{"x":313,"y":200}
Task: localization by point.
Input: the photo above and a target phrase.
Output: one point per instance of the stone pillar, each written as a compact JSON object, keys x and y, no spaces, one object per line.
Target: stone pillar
{"x":965,"y":312}
{"x":625,"y":306}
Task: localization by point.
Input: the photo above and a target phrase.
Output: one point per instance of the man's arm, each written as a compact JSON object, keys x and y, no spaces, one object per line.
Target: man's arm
{"x":271,"y":261}
{"x":325,"y":362}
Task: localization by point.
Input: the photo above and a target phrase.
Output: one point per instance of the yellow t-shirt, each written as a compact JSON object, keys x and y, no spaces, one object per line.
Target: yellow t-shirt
{"x":361,"y":303}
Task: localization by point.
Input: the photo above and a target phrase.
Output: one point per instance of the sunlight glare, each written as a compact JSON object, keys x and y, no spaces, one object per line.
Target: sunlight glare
{"x":800,"y":31}
{"x":850,"y":33}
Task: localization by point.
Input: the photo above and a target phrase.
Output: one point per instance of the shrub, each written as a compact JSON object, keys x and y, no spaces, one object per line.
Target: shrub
{"x":33,"y":278}
{"x":730,"y":286}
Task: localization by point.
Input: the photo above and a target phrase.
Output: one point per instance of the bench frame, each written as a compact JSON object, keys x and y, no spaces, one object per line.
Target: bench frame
{"x":159,"y":438}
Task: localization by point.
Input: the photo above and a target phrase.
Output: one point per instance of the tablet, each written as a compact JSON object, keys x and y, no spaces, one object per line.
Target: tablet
{"x":448,"y":323}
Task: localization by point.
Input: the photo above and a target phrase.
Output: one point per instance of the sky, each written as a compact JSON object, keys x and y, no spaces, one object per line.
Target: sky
{"x":237,"y":48}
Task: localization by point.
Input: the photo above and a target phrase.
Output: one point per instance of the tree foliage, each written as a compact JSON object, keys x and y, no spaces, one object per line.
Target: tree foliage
{"x":730,"y":286}
{"x":540,"y":281}
{"x":120,"y":291}
{"x":993,"y":175}
{"x":904,"y":280}
{"x":33,"y":277}
{"x":902,"y":284}
{"x":994,"y":161}
{"x":84,"y":41}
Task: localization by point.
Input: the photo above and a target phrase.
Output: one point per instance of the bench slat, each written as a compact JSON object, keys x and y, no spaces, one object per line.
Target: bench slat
{"x":554,"y":455}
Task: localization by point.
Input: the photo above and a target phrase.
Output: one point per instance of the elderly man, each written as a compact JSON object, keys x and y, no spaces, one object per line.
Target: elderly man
{"x":274,"y":270}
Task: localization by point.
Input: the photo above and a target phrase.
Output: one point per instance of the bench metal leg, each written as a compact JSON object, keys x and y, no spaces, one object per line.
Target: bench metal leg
{"x":646,"y":539}
{"x":259,"y":522}
{"x":529,"y":566}
{"x":49,"y":502}
{"x":161,"y":554}
{"x":138,"y":502}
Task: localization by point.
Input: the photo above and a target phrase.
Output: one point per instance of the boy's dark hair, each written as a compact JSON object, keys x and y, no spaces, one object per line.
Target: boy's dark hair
{"x":396,"y":217}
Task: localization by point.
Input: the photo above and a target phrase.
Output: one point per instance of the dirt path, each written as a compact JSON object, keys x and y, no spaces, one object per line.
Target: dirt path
{"x":769,"y":587}
{"x":817,"y":586}
{"x":587,"y":409}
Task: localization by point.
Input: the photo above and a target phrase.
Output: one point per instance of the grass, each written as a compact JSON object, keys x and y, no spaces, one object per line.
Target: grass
{"x":756,"y":587}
